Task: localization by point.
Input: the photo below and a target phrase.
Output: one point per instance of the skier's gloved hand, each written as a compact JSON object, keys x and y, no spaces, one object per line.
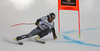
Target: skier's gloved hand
{"x":37,"y":23}
{"x":54,"y":36}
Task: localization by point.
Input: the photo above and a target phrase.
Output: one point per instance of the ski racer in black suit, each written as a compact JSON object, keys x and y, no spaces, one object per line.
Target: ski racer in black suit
{"x":45,"y":25}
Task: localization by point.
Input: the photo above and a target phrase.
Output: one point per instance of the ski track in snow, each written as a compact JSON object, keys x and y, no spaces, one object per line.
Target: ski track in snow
{"x":76,"y":41}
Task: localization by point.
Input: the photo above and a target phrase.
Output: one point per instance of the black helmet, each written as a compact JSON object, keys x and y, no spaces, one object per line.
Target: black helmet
{"x":52,"y":16}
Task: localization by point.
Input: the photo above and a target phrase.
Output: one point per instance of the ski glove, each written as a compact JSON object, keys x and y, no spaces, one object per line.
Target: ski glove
{"x":54,"y":36}
{"x":37,"y":23}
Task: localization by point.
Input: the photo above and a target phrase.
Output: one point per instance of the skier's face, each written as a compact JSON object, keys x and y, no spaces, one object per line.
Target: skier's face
{"x":50,"y":19}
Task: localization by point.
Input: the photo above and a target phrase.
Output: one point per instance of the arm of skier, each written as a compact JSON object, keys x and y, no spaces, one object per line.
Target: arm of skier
{"x":54,"y":34}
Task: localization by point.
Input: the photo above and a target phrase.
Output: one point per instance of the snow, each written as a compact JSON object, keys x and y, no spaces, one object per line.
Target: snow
{"x":11,"y":13}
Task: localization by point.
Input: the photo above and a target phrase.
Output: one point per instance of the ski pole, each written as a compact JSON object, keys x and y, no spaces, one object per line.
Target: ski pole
{"x":22,"y":24}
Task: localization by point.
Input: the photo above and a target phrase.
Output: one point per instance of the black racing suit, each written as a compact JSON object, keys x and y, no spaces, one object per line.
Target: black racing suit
{"x":43,"y":28}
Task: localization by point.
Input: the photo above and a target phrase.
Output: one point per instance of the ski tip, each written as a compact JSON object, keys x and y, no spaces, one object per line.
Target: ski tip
{"x":20,"y":43}
{"x":43,"y":42}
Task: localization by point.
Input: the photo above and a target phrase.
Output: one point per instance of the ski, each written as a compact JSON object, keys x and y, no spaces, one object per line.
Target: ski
{"x":40,"y":41}
{"x":22,"y":24}
{"x":13,"y":41}
{"x":20,"y":43}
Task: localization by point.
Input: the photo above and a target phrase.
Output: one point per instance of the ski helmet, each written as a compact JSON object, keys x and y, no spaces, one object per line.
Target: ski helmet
{"x":52,"y":16}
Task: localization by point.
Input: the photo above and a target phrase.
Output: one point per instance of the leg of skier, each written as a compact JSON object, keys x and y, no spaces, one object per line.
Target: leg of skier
{"x":32,"y":33}
{"x":42,"y":34}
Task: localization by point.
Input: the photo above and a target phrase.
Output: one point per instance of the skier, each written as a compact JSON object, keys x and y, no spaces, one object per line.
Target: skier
{"x":45,"y":25}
